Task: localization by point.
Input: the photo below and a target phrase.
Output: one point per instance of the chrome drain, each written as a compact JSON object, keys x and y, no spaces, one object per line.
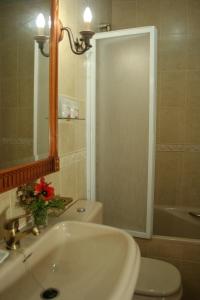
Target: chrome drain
{"x":50,"y":293}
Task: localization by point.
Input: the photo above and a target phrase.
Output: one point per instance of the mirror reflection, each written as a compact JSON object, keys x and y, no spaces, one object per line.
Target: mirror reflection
{"x":24,"y":81}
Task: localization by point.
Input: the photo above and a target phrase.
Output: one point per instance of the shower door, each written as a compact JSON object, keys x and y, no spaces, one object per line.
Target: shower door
{"x":121,"y":127}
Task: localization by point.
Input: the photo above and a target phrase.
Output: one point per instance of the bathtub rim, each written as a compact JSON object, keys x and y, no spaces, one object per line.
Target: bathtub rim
{"x":174,"y":238}
{"x":185,"y":209}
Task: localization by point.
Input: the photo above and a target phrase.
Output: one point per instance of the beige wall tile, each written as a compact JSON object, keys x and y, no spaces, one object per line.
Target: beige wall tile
{"x":9,"y":53}
{"x":148,"y":13}
{"x":8,"y":149}
{"x":173,"y":16}
{"x":104,"y":14}
{"x":24,"y":151}
{"x":10,"y":90}
{"x":168,"y":177}
{"x":80,"y":134}
{"x":73,"y":176}
{"x":193,"y":50}
{"x":173,"y":52}
{"x":66,"y":137}
{"x":124,"y":14}
{"x":25,"y":53}
{"x":191,"y":172}
{"x":163,"y":248}
{"x":9,"y":117}
{"x":191,"y":252}
{"x":68,"y":180}
{"x":67,"y":59}
{"x":193,"y":125}
{"x":193,"y":17}
{"x":190,"y":272}
{"x":66,"y":70}
{"x":80,"y":75}
{"x":81,"y":175}
{"x":193,"y":88}
{"x":173,"y":88}
{"x":25,"y":123}
{"x":26,"y":91}
{"x":82,"y":110}
{"x":171,"y":125}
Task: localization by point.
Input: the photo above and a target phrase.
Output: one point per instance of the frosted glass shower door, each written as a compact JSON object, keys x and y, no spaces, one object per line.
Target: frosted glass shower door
{"x":121,"y":127}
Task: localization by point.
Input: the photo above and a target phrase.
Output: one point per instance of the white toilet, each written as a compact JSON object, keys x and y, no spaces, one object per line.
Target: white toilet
{"x":158,"y":280}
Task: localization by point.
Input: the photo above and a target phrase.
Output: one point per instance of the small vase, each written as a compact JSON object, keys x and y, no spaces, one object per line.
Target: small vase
{"x":41,"y":218}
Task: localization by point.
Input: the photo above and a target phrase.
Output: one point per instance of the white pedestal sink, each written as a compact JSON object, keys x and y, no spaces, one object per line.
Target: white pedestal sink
{"x":82,"y":261}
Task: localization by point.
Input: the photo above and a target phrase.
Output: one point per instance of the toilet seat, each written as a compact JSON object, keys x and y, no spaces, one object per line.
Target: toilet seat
{"x":157,"y":278}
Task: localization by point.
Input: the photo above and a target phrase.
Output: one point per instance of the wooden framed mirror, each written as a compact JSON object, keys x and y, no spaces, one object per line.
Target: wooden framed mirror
{"x":16,"y":172}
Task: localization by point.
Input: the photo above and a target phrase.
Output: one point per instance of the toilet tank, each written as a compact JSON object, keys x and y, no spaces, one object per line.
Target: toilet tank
{"x":85,"y":211}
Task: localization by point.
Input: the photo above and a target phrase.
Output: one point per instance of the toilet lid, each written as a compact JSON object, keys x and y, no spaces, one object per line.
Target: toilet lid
{"x":157,"y":278}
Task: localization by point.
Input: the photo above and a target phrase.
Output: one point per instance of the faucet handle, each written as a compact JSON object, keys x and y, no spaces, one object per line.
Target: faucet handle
{"x":14,"y":222}
{"x":12,"y":233}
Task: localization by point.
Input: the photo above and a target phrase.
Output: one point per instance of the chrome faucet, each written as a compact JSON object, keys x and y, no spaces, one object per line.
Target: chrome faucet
{"x":12,"y":233}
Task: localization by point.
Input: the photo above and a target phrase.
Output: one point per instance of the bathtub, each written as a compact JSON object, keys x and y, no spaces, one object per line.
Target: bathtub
{"x":176,"y":221}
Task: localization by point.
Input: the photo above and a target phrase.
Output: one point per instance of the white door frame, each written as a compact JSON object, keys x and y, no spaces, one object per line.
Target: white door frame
{"x":35,"y":101}
{"x":91,"y":118}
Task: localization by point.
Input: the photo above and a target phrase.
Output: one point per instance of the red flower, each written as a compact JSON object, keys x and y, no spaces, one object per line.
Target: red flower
{"x":44,"y":189}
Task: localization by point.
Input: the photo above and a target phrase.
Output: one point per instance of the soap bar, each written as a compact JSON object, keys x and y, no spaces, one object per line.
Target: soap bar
{"x":3,"y":255}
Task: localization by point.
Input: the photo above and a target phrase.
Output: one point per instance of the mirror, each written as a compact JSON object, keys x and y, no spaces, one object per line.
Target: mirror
{"x":24,"y":84}
{"x":28,"y":90}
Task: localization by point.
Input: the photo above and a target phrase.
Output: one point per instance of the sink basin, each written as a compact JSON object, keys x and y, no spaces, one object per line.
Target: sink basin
{"x":82,"y":261}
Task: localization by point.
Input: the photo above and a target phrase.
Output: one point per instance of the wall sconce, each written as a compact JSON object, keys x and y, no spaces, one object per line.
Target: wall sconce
{"x":78,"y":46}
{"x":81,"y":45}
{"x":41,"y":38}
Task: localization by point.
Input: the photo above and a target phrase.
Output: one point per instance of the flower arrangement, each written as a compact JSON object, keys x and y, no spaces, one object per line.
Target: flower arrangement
{"x":37,"y":199}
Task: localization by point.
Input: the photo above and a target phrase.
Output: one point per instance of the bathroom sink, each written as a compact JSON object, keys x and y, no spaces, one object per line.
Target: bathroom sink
{"x":81,"y":261}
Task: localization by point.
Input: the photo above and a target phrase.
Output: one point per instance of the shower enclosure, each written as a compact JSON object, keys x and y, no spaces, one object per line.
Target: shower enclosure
{"x":121,"y":127}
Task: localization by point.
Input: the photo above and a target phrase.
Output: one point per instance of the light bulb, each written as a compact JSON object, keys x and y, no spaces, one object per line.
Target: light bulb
{"x":87,"y":16}
{"x":40,"y":21}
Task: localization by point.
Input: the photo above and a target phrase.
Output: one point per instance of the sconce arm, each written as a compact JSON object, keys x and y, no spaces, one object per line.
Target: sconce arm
{"x":41,"y":47}
{"x":78,"y":47}
{"x":41,"y":40}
